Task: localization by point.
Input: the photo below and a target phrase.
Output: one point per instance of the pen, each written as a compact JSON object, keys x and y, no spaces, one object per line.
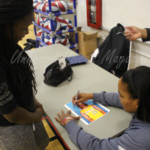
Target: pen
{"x":76,"y":97}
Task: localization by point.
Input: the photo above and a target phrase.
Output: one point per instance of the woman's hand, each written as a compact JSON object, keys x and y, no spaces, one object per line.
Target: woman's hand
{"x":63,"y":116}
{"x":38,"y":105}
{"x":38,"y":114}
{"x":132,"y":33}
{"x":82,"y":97}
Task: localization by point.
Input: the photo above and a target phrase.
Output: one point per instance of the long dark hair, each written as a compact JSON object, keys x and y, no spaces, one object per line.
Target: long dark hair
{"x":21,"y":75}
{"x":138,"y":86}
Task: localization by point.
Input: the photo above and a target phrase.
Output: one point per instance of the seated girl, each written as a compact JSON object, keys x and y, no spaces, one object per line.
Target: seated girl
{"x":134,"y":97}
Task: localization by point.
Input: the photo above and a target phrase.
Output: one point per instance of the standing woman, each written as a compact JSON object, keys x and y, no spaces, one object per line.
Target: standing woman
{"x":20,"y":114}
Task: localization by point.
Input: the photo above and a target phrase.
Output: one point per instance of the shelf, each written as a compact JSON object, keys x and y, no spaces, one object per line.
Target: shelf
{"x":72,"y":47}
{"x":50,"y":16}
{"x":55,"y":14}
{"x":41,"y":41}
{"x":60,"y":32}
{"x":44,"y":29}
{"x":47,"y":45}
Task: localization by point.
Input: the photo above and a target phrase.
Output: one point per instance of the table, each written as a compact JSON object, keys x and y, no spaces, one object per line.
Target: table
{"x":87,"y":78}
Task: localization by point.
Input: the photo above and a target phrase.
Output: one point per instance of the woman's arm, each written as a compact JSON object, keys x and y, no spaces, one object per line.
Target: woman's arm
{"x":37,"y":104}
{"x":9,"y":107}
{"x":22,"y":116}
{"x":108,"y":99}
{"x":85,"y":141}
{"x":132,"y":139}
{"x":132,"y":33}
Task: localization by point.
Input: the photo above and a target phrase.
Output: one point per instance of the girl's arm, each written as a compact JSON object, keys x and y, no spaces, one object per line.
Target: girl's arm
{"x":10,"y":109}
{"x":108,"y":99}
{"x":22,"y":116}
{"x":132,"y":139}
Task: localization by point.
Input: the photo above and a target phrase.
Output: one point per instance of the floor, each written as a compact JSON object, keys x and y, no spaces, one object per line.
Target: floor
{"x":54,"y":144}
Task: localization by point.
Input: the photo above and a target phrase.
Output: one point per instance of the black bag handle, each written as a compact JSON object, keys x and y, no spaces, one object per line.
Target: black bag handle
{"x":67,"y":78}
{"x":64,"y":72}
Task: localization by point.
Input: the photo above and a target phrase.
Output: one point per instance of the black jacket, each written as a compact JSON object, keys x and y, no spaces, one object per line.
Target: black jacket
{"x":114,"y":52}
{"x":10,"y":97}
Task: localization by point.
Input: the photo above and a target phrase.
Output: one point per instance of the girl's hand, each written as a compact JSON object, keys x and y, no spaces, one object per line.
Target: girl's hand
{"x":63,"y":116}
{"x":82,"y":97}
{"x":132,"y":33}
{"x":38,"y":114}
{"x":38,"y":105}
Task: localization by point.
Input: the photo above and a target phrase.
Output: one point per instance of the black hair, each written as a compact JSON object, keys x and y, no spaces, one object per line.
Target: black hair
{"x":138,"y":86}
{"x":85,"y":104}
{"x":20,"y":74}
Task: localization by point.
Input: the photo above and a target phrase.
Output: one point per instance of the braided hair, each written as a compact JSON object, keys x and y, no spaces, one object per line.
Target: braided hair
{"x":138,"y":86}
{"x":20,"y":74}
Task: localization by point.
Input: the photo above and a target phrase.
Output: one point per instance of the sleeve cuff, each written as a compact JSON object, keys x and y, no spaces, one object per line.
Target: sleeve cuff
{"x":148,"y":35}
{"x":70,"y":125}
{"x":72,"y":128}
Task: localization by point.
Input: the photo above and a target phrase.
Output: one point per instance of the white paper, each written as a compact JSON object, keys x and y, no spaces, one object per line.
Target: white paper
{"x":92,"y":110}
{"x":62,"y":62}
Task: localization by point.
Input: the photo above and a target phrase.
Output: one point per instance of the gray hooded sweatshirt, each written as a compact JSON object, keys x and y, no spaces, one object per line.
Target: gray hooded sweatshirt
{"x":136,"y":137}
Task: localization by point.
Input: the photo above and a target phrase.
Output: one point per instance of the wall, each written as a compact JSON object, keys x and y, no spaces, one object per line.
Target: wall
{"x":126,"y":12}
{"x":140,"y":54}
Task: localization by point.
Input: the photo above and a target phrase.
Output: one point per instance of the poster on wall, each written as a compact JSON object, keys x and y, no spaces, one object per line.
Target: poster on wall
{"x":89,"y":111}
